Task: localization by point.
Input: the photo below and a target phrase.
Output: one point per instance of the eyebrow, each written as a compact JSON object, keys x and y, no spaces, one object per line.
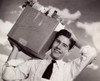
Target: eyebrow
{"x":60,"y":41}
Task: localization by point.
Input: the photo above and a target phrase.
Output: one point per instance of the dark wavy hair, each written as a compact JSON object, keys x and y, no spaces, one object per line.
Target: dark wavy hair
{"x":67,"y":34}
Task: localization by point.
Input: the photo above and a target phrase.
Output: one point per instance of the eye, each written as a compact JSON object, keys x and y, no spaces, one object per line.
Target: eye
{"x":58,"y":41}
{"x":65,"y":45}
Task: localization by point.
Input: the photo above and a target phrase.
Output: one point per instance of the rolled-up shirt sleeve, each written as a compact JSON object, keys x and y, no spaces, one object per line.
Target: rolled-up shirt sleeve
{"x":16,"y":72}
{"x":88,"y":54}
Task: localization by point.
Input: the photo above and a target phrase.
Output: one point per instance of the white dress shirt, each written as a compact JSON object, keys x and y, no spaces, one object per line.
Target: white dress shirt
{"x":32,"y":70}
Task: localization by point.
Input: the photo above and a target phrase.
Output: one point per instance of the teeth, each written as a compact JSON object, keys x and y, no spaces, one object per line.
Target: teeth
{"x":57,"y":50}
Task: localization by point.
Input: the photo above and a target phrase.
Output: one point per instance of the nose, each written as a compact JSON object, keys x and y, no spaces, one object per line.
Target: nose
{"x":59,"y":46}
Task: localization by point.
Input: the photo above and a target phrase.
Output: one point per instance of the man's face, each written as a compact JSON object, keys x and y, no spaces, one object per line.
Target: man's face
{"x":60,"y":47}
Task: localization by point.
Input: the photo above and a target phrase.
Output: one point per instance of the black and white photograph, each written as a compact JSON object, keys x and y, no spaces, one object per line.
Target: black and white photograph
{"x":49,"y":40}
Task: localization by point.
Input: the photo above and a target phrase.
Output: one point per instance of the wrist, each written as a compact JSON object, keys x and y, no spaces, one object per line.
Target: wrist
{"x":14,"y":63}
{"x":8,"y":65}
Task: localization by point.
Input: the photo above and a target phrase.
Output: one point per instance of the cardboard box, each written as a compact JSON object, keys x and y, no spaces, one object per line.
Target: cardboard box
{"x":33,"y":32}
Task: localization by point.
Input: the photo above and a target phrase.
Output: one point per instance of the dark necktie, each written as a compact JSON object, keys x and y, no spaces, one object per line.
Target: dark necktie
{"x":48,"y":71}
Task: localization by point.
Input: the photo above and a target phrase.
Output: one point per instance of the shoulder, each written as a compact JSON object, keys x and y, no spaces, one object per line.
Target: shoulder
{"x":66,"y":64}
{"x":36,"y":61}
{"x":33,"y":60}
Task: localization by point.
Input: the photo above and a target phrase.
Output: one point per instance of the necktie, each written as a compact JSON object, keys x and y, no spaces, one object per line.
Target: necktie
{"x":48,"y":71}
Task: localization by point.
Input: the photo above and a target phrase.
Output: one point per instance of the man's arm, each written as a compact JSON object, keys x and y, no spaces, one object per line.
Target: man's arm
{"x":14,"y":53}
{"x":88,"y":54}
{"x":9,"y":70}
{"x":17,"y":72}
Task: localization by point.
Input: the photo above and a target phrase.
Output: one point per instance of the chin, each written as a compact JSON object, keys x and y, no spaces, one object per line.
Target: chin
{"x":55,"y":56}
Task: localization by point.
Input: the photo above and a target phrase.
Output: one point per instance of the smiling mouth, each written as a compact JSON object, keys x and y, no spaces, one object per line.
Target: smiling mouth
{"x":56,"y":50}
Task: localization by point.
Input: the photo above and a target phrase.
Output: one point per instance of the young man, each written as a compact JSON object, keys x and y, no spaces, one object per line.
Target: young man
{"x":35,"y":70}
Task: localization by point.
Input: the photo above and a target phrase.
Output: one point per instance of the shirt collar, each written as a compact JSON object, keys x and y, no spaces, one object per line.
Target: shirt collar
{"x":59,"y":63}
